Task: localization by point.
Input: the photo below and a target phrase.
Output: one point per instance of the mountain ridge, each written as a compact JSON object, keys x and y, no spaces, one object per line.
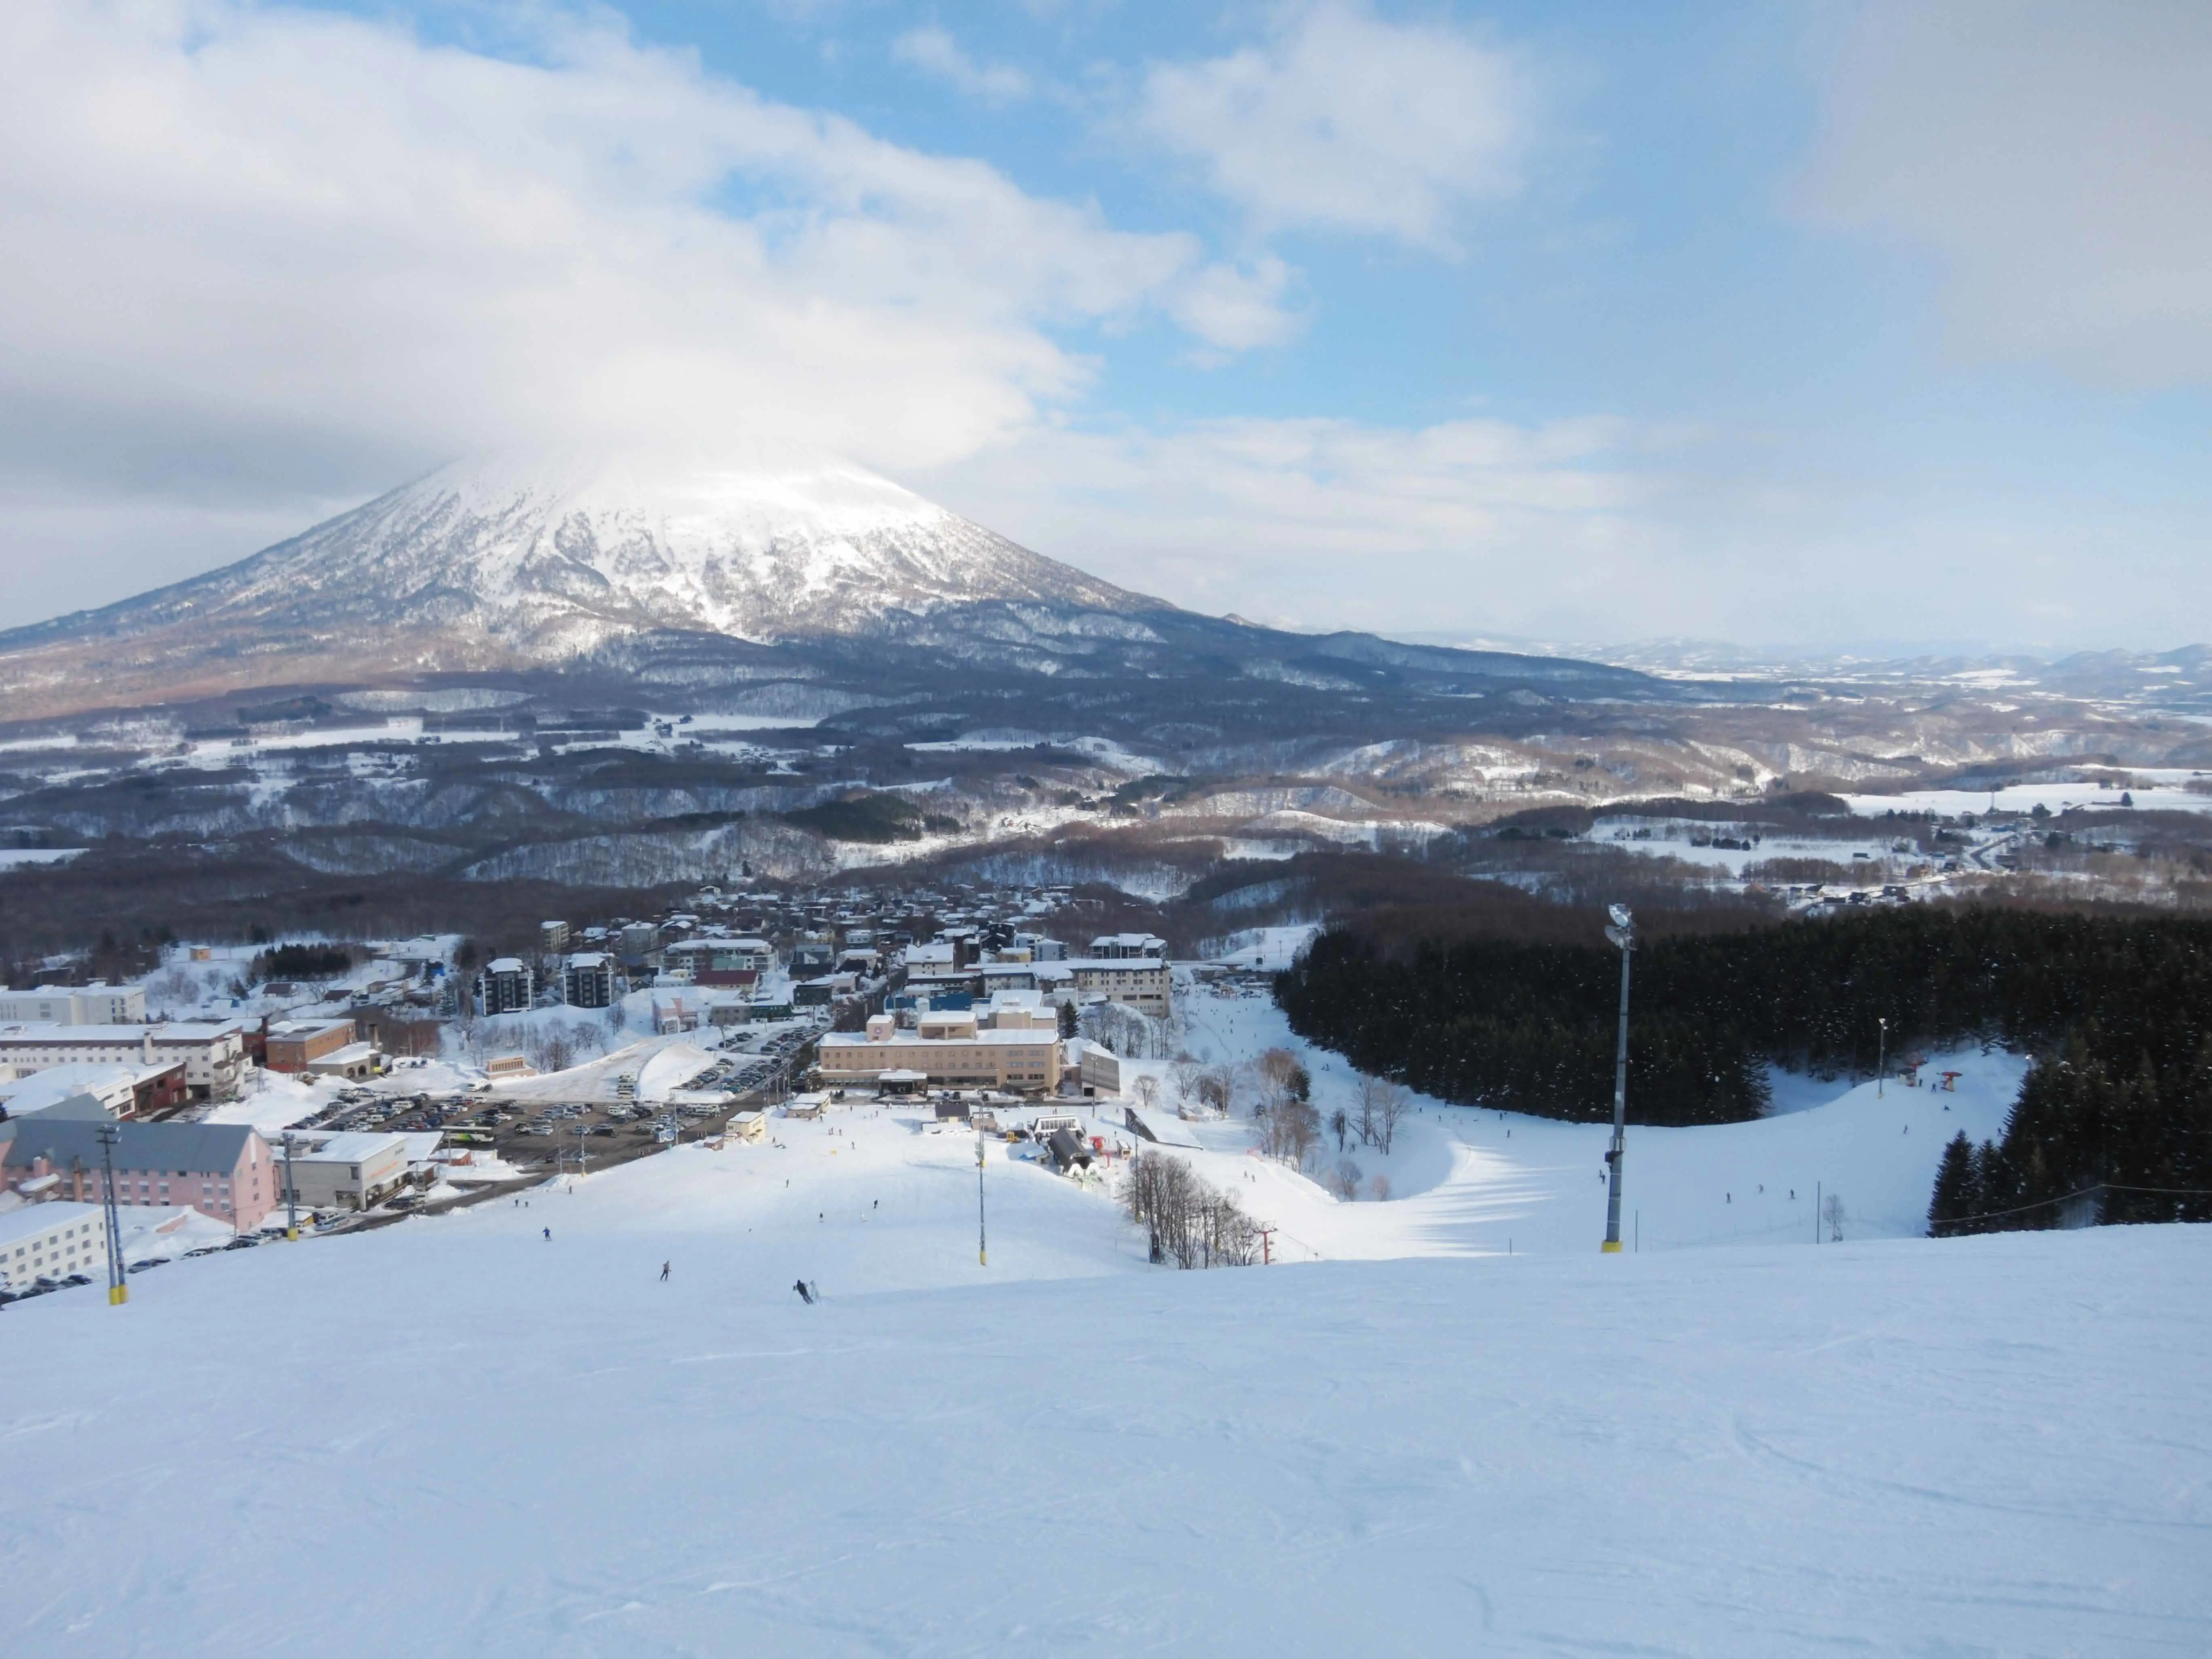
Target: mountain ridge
{"x":520,"y":562}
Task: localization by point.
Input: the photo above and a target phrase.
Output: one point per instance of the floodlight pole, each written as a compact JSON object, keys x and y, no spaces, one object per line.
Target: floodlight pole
{"x":1622,"y":934}
{"x":118,"y":1285}
{"x":982,"y":1239}
{"x":1881,"y":1063}
{"x":291,"y":1194}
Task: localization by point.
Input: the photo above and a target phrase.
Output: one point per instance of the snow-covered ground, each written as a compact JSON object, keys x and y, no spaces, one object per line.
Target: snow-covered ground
{"x":459,"y":1436}
{"x":1268,"y":950}
{"x":1464,"y":1181}
{"x":2165,"y":793}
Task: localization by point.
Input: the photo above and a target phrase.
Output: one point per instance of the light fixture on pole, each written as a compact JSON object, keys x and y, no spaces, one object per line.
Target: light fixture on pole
{"x":982,"y":1239}
{"x":119,"y":1286}
{"x":1622,"y":934}
{"x":1881,"y":1063}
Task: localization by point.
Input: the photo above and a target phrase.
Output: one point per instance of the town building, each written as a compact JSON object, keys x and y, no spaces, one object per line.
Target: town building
{"x":723,"y":962}
{"x":1124,"y":946}
{"x":950,"y":1049}
{"x":51,"y":1241}
{"x":221,"y":1170}
{"x":344,"y":1172}
{"x":74,"y":1005}
{"x":292,"y":1044}
{"x":1098,"y":1070}
{"x":587,"y":980}
{"x":1041,"y":948}
{"x":399,"y":1028}
{"x":213,"y":1055}
{"x":673,"y":1013}
{"x":132,"y":1090}
{"x":506,"y":987}
{"x":552,"y":937}
{"x":319,"y":1048}
{"x":1141,"y":981}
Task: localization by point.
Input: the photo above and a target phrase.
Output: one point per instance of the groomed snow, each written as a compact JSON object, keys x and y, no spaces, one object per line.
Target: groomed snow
{"x":456,"y":1437}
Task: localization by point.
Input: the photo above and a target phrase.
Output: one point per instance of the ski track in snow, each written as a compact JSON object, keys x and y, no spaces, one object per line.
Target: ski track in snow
{"x":457,"y":1436}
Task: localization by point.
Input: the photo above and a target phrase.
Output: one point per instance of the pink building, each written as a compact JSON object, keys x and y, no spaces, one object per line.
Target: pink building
{"x":225,"y":1170}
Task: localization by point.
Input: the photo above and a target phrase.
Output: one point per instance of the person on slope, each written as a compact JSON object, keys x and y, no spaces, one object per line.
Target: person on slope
{"x":664,"y":1273}
{"x":805,"y":1295}
{"x":549,"y":1234}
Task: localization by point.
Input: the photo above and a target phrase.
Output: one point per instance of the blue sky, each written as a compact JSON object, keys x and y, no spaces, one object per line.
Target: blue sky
{"x":1835,"y":326}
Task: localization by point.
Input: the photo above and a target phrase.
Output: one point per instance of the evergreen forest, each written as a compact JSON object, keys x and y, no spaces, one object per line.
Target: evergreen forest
{"x":2113,"y":1122}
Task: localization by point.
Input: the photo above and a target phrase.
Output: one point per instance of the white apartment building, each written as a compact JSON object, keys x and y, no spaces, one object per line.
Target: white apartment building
{"x":74,"y":1005}
{"x":214,"y":1055}
{"x":51,"y":1241}
{"x":1143,"y":982}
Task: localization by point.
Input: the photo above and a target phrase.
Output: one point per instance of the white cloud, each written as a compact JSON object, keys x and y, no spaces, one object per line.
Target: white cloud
{"x":2058,"y":158}
{"x":934,"y":51}
{"x":1342,"y":120}
{"x":305,"y":249}
{"x":1471,"y":522}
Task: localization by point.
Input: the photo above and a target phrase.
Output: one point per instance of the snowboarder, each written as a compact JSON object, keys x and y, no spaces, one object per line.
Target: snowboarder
{"x":805,"y":1295}
{"x":664,"y":1273}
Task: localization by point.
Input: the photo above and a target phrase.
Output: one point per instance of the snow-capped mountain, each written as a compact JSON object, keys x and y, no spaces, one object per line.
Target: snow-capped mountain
{"x":518,"y":559}
{"x":551,"y":554}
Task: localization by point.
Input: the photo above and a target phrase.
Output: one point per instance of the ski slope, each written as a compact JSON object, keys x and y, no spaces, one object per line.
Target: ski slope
{"x":460,"y":1435}
{"x":1470,"y":1181}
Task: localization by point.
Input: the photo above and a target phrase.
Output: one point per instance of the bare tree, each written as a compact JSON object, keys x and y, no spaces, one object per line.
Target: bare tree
{"x":1832,"y":1212}
{"x":1216,"y":1086}
{"x":1185,"y":1072}
{"x":1382,"y":1104}
{"x":1147,"y":1090}
{"x":1273,"y":1067}
{"x":1379,"y":1188}
{"x":1390,"y":1109}
{"x":1289,"y":1129}
{"x":1338,"y":1126}
{"x":1344,"y":1180}
{"x":1187,"y":1220}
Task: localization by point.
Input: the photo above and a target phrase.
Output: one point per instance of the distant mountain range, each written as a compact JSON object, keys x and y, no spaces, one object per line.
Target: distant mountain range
{"x":681,"y":572}
{"x":2180,"y":679}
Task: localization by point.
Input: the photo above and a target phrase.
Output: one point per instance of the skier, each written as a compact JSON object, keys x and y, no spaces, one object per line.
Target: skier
{"x":549,"y":1234}
{"x":805,"y":1295}
{"x":664,"y":1273}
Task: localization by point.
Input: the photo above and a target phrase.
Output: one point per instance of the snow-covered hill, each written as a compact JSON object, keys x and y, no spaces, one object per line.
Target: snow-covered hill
{"x":552,"y":555}
{"x":461,"y":1436}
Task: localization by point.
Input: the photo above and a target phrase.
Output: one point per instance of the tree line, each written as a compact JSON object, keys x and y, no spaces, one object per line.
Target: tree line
{"x":2116,"y":1112}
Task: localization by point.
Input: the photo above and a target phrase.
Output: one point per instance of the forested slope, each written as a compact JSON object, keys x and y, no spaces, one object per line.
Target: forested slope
{"x":2115,"y":1119}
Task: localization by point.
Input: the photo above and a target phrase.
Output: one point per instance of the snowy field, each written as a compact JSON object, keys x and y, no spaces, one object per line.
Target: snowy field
{"x":461,"y":1436}
{"x":2164,"y":791}
{"x":456,"y":1436}
{"x":1467,"y":1181}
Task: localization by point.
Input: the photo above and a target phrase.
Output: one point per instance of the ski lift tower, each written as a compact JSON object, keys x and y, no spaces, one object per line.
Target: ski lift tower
{"x":1622,"y":934}
{"x":119,"y":1282}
